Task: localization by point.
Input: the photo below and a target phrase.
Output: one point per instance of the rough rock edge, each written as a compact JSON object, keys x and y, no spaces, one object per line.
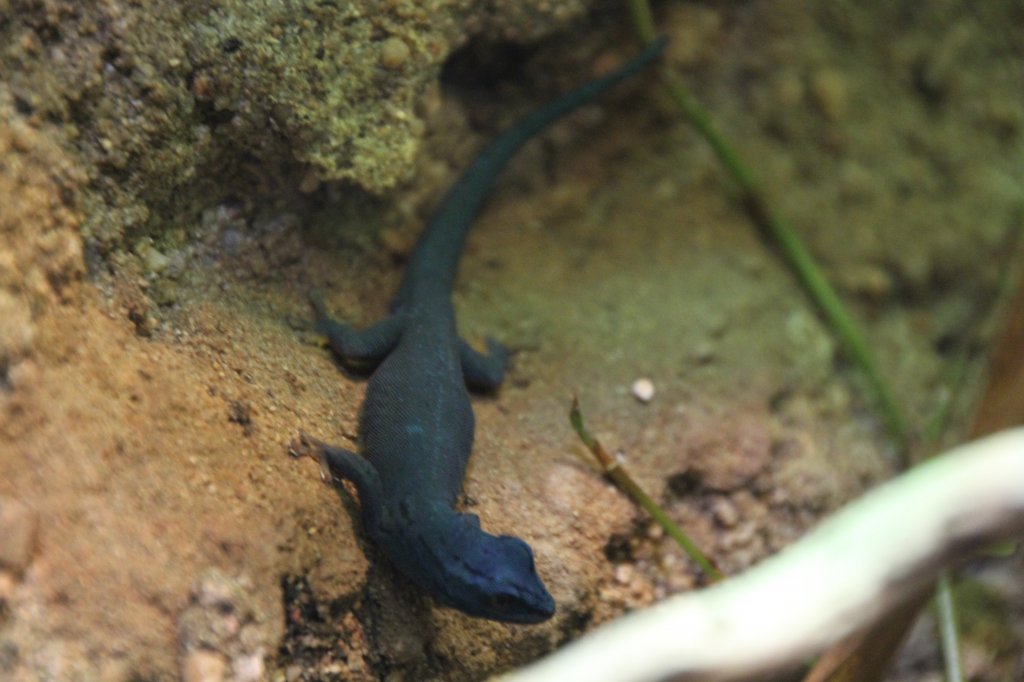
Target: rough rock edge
{"x":170,"y":104}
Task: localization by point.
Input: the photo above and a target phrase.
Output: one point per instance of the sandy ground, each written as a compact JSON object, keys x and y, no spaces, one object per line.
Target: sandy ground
{"x":155,"y":523}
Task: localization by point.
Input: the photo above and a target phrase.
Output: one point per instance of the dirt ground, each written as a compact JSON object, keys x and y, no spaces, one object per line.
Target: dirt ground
{"x":153,"y":521}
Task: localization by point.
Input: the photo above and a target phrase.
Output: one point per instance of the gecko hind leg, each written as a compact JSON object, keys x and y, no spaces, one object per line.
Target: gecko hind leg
{"x":342,"y":464}
{"x":361,"y":348}
{"x":483,"y":371}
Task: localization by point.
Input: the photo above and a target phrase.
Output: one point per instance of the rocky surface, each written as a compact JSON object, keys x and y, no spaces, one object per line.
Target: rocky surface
{"x":174,"y":177}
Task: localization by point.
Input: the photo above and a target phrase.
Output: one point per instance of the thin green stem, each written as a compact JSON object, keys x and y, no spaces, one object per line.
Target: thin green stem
{"x":828,"y":302}
{"x":615,"y":471}
{"x":947,"y":629}
{"x":643,"y":21}
{"x":782,"y":234}
{"x":812,"y":278}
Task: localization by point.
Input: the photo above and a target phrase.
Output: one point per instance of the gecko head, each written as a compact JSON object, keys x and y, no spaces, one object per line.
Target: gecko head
{"x":492,"y":576}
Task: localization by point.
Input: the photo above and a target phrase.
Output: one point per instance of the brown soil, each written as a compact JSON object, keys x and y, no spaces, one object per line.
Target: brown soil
{"x":153,"y":522}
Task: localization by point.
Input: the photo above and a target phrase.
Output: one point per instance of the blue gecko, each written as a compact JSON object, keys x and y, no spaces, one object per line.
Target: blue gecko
{"x":416,"y":423}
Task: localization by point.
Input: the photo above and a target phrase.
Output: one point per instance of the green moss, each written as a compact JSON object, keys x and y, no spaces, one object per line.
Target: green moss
{"x":173,"y":106}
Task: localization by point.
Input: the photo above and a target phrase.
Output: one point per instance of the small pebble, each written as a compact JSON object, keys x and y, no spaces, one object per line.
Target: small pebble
{"x":164,"y":293}
{"x":725,"y":512}
{"x":829,"y":90}
{"x":643,"y":390}
{"x":398,"y":243}
{"x":213,"y":590}
{"x":17,"y":331}
{"x":17,"y":535}
{"x":623,"y":574}
{"x":873,"y":282}
{"x":394,"y":53}
{"x":154,"y":260}
{"x":310,"y":182}
{"x":7,"y":584}
{"x":204,"y":666}
{"x":703,"y":352}
{"x":248,"y":668}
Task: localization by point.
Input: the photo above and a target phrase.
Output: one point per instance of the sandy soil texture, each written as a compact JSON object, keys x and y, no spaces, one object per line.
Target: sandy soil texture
{"x":168,"y":203}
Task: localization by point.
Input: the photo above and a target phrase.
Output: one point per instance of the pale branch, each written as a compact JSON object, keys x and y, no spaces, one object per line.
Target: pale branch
{"x":873,"y":554}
